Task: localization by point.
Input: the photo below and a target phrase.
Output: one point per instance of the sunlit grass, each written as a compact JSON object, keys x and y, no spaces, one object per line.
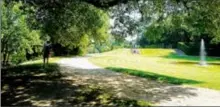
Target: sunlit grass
{"x":51,"y":60}
{"x":168,"y":64}
{"x":156,"y":52}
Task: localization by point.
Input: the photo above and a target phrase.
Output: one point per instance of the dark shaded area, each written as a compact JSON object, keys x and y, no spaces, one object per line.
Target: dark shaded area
{"x":154,"y":76}
{"x":60,"y":50}
{"x":193,"y":47}
{"x":106,"y":3}
{"x":37,"y":51}
{"x":31,"y":70}
{"x":30,"y":85}
{"x":214,"y":50}
{"x":97,"y":3}
{"x":169,"y":39}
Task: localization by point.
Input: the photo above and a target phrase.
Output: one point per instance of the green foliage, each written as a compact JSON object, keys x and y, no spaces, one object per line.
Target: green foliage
{"x":18,"y":58}
{"x":144,"y":103}
{"x":162,"y":22}
{"x":16,"y":36}
{"x":98,"y":48}
{"x":83,"y":45}
{"x":112,"y":42}
{"x":119,"y":42}
{"x":186,"y":22}
{"x":102,"y":46}
{"x":71,"y":25}
{"x":182,"y":46}
{"x":68,"y":25}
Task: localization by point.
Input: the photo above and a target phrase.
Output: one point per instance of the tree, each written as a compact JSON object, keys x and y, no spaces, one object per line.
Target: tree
{"x":71,"y":25}
{"x":188,"y":22}
{"x":16,"y":36}
{"x":160,"y":19}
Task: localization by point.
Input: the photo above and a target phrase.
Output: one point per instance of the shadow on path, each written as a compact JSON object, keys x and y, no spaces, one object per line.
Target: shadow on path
{"x":153,"y":87}
{"x":30,"y":85}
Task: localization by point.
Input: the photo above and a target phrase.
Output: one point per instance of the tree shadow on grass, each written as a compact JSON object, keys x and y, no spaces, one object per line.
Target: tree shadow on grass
{"x":51,"y":69}
{"x":30,"y":85}
{"x":150,"y":88}
{"x":154,"y":76}
{"x":166,"y":88}
{"x":190,"y":58}
{"x":195,"y":63}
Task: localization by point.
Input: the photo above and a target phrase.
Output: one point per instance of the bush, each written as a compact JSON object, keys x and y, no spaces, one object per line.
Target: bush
{"x":18,"y":58}
{"x":154,"y":46}
{"x":182,"y":46}
{"x":81,"y":51}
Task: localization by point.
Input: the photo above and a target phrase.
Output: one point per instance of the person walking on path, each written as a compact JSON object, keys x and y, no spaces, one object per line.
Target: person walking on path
{"x":46,"y":52}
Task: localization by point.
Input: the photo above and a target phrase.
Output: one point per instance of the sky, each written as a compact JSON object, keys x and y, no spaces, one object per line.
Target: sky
{"x":133,"y":15}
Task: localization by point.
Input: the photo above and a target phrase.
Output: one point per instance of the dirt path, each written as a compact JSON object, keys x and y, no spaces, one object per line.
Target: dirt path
{"x":122,"y":85}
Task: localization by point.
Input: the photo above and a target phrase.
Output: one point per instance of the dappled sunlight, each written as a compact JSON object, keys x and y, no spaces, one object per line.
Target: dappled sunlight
{"x":51,"y":60}
{"x":110,"y":53}
{"x":53,"y":86}
{"x":126,"y":86}
{"x":67,"y":85}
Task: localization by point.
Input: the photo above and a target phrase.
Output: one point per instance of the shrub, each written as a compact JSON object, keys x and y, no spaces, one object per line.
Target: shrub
{"x":182,"y":46}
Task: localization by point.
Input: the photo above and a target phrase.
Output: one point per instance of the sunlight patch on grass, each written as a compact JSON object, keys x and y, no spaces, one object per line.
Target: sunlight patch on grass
{"x":51,"y":60}
{"x":184,"y":68}
{"x":156,"y":52}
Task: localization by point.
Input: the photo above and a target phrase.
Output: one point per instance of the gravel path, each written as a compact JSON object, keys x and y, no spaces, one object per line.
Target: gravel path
{"x":78,"y":62}
{"x":123,"y":85}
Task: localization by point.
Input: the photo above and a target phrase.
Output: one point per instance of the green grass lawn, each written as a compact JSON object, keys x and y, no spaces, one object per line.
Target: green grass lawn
{"x":163,"y":65}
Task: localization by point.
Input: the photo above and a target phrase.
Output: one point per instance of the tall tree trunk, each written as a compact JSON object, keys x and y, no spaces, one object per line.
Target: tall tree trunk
{"x":3,"y":46}
{"x":4,"y":58}
{"x":8,"y":56}
{"x":2,"y":53}
{"x":5,"y":54}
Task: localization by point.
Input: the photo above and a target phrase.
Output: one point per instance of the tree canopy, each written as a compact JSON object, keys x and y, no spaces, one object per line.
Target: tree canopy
{"x":75,"y":24}
{"x":187,"y":23}
{"x":16,"y":36}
